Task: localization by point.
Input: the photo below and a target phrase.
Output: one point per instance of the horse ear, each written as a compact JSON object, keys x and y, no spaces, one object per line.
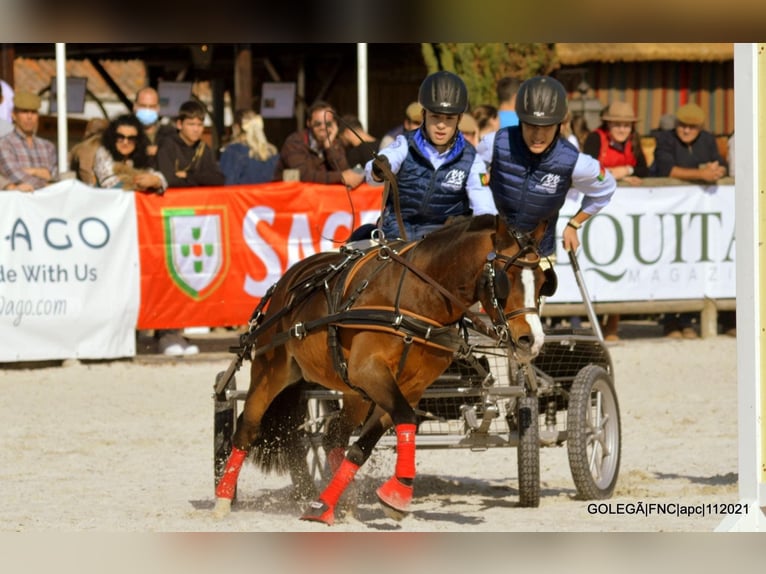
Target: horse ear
{"x":539,"y":231}
{"x":502,"y":233}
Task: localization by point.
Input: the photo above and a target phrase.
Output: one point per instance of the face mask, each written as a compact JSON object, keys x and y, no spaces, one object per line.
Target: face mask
{"x":146,"y":116}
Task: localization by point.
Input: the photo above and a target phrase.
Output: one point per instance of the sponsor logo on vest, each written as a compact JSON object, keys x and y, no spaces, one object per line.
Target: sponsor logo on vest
{"x":549,"y":183}
{"x":196,"y":251}
{"x":454,"y":179}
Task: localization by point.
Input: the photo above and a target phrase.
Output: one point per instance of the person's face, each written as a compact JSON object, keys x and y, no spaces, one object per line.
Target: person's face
{"x":26,"y":120}
{"x":619,"y":131}
{"x":147,"y":99}
{"x":441,"y":127}
{"x":190,"y":130}
{"x":125,"y":140}
{"x":538,"y":138}
{"x":687,"y":133}
{"x":322,"y":125}
{"x":412,"y":124}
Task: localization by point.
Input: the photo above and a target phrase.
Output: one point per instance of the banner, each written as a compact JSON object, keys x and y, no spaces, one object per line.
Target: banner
{"x":69,"y":274}
{"x":209,"y":254}
{"x":654,"y":244}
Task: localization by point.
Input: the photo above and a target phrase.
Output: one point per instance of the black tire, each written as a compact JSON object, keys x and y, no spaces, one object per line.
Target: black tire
{"x":593,"y":433}
{"x":224,"y":426}
{"x":528,"y":451}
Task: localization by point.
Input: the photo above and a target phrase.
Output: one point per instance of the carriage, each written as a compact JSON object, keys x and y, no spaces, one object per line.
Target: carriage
{"x":485,"y":399}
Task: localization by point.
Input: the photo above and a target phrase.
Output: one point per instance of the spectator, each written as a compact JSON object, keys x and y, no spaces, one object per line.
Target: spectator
{"x":469,"y":127}
{"x":6,"y":124}
{"x":487,"y":119}
{"x":83,"y":154}
{"x":413,"y":118}
{"x":575,"y":130}
{"x":7,"y":185}
{"x":6,"y":101}
{"x":689,"y":152}
{"x":616,"y":146}
{"x":249,"y":157}
{"x":185,"y":161}
{"x":439,"y":175}
{"x":183,"y":158}
{"x":317,"y":152}
{"x":25,"y":159}
{"x":122,"y":160}
{"x":667,"y":123}
{"x":360,"y":146}
{"x":532,"y":168}
{"x":147,"y":110}
{"x":506,"y":101}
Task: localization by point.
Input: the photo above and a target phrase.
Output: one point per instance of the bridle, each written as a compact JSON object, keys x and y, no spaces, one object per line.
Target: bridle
{"x":498,"y":284}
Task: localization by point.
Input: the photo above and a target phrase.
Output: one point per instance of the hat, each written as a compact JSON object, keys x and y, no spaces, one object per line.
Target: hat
{"x":26,"y":101}
{"x":414,"y":112}
{"x":690,"y":114}
{"x":619,"y":112}
{"x":468,"y":124}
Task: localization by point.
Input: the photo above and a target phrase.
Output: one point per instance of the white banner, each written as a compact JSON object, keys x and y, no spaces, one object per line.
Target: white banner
{"x":654,"y":244}
{"x":69,"y":273}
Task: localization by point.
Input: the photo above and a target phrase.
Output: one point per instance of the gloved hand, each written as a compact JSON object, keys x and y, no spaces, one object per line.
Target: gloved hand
{"x":380,"y":166}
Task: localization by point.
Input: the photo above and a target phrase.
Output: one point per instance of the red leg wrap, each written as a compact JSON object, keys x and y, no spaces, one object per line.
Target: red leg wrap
{"x":228,"y":483}
{"x":335,"y":458}
{"x":340,"y":480}
{"x":395,"y":494}
{"x":323,"y":509}
{"x":405,"y":451}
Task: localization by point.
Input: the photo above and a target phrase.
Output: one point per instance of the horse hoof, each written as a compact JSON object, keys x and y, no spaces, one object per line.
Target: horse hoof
{"x":222,"y":507}
{"x":395,"y":497}
{"x":318,"y":511}
{"x":392,"y":513}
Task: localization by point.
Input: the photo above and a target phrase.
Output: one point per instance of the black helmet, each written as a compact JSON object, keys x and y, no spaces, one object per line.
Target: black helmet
{"x":443,"y":93}
{"x":541,"y":101}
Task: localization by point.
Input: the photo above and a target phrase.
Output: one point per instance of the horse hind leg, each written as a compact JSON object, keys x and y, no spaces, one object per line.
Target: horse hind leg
{"x":248,"y":429}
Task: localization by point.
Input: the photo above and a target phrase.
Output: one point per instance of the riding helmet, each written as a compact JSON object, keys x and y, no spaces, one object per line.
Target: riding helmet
{"x":541,"y":101}
{"x":443,"y":93}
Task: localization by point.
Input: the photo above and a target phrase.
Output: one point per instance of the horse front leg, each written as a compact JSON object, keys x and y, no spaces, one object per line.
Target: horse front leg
{"x":323,"y":508}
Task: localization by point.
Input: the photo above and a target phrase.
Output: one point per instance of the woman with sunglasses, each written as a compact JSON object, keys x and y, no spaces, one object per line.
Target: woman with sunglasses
{"x":122,"y":160}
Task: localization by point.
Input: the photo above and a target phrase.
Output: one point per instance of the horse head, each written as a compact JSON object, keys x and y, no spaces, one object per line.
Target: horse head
{"x":512,"y":283}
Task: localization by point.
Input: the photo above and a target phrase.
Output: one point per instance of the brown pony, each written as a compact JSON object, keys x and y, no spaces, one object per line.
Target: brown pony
{"x":380,"y":326}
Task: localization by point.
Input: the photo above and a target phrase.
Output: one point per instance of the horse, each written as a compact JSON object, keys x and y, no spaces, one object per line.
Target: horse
{"x":380,"y":326}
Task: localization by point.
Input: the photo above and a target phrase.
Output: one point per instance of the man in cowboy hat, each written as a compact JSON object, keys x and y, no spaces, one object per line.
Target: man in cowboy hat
{"x":27,"y":161}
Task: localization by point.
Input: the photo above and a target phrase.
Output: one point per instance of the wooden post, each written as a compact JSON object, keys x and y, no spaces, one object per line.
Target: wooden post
{"x":243,"y":80}
{"x":709,"y":318}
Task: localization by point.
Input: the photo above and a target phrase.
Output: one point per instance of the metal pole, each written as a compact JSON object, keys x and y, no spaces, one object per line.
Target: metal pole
{"x":63,"y":135}
{"x":361,"y":78}
{"x":585,"y":296}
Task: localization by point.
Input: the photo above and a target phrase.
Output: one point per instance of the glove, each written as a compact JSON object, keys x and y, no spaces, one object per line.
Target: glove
{"x":380,"y":166}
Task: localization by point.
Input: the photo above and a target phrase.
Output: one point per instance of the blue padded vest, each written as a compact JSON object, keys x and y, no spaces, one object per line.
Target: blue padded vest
{"x":528,"y":188}
{"x":427,"y":196}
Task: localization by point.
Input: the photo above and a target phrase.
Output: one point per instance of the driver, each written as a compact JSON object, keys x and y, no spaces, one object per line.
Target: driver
{"x":532,"y":168}
{"x":438,"y":173}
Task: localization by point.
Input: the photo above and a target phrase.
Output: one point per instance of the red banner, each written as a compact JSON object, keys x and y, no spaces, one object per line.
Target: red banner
{"x":208,"y":254}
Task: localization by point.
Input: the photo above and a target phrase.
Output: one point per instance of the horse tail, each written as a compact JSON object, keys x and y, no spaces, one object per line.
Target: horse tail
{"x":280,"y":446}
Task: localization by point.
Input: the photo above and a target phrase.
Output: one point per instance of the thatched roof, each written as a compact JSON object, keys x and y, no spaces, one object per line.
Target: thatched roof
{"x":574,"y":54}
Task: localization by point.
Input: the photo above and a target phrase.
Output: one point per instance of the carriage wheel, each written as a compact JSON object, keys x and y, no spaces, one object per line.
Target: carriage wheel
{"x":224,"y":425}
{"x":528,"y":451}
{"x":310,"y":471}
{"x":319,"y":414}
{"x":593,"y":433}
